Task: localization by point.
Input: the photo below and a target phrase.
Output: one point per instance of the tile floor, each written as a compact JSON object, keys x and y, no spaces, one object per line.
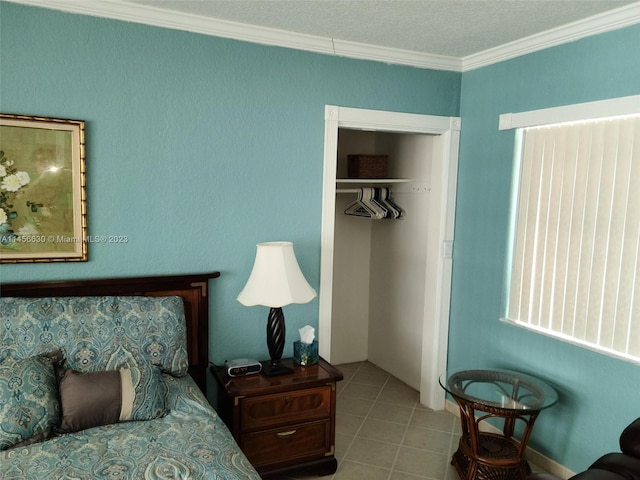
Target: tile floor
{"x":384,"y":433}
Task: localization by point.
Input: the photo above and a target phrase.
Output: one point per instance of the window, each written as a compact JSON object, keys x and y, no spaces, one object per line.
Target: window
{"x":575,"y":239}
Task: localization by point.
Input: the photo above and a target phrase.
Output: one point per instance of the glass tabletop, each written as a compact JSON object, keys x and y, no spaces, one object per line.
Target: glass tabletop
{"x":503,"y":389}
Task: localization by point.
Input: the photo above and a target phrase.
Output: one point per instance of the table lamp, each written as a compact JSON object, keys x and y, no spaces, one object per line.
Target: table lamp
{"x":275,"y":281}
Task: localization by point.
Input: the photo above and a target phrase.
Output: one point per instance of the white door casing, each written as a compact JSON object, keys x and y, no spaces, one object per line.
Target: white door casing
{"x":441,"y":219}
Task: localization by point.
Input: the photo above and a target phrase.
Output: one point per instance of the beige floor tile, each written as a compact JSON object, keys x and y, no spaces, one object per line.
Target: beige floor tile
{"x":405,"y":476}
{"x":348,"y":424}
{"x":342,"y":444}
{"x":357,"y":471}
{"x":371,"y":452}
{"x":421,"y":462}
{"x":371,"y":368}
{"x":383,"y":431}
{"x":347,"y":373}
{"x":454,"y":443}
{"x":457,"y":427}
{"x":353,"y":405}
{"x":353,"y":365}
{"x":452,"y":474}
{"x":419,"y":406}
{"x":374,"y":379}
{"x":391,"y":413}
{"x":367,"y":392}
{"x":397,"y":383}
{"x":427,"y":439}
{"x":440,"y":420}
{"x":399,"y":395}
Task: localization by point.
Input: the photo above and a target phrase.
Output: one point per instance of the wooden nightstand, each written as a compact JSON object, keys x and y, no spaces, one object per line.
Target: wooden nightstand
{"x":285,"y":423}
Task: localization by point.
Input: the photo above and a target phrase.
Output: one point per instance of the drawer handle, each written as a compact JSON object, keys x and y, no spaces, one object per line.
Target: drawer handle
{"x":285,"y":434}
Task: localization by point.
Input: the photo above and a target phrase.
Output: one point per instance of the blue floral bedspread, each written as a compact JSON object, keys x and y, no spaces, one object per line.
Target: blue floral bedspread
{"x":189,"y":443}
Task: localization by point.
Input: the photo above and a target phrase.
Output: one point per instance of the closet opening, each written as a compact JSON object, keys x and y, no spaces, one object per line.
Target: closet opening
{"x":385,"y":279}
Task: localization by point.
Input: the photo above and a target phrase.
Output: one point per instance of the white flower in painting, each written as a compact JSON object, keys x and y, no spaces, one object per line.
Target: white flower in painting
{"x":28,"y":229}
{"x":3,"y":216}
{"x":3,"y":171}
{"x":12,"y":183}
{"x":24,"y":177}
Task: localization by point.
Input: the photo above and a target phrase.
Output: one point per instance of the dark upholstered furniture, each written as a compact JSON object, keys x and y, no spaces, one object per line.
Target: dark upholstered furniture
{"x":624,"y":465}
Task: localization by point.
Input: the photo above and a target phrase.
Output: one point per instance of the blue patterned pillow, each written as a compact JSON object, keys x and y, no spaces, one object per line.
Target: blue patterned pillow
{"x":150,"y":392}
{"x":29,"y":406}
{"x":90,"y":329}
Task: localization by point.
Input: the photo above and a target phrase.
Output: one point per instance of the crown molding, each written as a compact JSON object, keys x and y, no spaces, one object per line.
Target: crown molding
{"x":153,"y":16}
{"x":149,"y":15}
{"x":605,"y":22}
{"x":396,"y":56}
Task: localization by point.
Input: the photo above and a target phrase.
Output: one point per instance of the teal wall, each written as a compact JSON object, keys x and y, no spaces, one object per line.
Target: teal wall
{"x":197,"y":147}
{"x":598,"y":394}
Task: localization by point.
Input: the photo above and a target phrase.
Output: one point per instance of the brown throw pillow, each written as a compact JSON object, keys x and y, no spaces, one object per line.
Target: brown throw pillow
{"x":95,"y":398}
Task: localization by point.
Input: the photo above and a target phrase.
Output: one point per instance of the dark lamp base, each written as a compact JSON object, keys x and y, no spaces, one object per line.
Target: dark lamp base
{"x":271,"y":370}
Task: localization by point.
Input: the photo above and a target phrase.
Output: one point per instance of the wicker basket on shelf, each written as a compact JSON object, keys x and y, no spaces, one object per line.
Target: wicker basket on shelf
{"x":367,"y":166}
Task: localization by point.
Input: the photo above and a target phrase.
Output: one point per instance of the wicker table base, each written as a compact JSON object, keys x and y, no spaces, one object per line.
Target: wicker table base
{"x":498,"y":459}
{"x":490,"y":396}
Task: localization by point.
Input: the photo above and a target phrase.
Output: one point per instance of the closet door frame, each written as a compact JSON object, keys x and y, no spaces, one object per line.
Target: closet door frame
{"x":435,"y":336}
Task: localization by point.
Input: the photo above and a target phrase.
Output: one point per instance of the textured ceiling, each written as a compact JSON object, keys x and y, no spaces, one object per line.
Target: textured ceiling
{"x":455,"y":28}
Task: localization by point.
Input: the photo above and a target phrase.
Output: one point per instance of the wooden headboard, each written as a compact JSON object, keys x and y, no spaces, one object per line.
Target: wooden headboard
{"x":192,"y":288}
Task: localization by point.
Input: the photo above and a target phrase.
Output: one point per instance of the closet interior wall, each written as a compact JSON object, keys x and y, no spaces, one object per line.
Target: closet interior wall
{"x":379,"y":270}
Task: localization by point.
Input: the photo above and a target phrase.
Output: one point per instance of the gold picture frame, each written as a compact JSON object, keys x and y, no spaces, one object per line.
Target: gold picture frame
{"x":43,"y":212}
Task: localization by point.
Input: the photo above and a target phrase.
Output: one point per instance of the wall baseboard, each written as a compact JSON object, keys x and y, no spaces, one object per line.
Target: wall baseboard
{"x":535,"y":457}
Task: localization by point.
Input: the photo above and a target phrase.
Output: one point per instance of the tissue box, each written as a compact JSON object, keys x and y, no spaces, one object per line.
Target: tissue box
{"x":305,"y":353}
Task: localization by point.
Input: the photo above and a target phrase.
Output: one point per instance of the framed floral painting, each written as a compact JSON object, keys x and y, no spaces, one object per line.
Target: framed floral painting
{"x":43,"y":213}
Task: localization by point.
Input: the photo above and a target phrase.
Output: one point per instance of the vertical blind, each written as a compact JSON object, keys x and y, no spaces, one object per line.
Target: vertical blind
{"x":574,"y":265}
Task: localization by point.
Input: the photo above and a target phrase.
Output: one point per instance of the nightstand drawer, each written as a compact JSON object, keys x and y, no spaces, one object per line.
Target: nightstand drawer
{"x":287,"y":407}
{"x":284,"y":444}
{"x":285,"y":425}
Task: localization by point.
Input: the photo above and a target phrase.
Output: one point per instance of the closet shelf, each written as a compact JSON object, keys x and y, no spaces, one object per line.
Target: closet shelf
{"x":403,"y":186}
{"x":373,"y":180}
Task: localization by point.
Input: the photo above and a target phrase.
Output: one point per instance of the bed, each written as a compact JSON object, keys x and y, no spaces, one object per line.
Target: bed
{"x":107,"y":379}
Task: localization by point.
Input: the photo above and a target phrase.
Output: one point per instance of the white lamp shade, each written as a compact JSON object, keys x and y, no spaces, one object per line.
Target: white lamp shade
{"x":276,"y":279}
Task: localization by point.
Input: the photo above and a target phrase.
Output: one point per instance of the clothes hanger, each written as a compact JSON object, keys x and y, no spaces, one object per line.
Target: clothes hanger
{"x":368,"y":198}
{"x":359,"y":208}
{"x":379,"y":195}
{"x":375,"y":203}
{"x":386,"y":195}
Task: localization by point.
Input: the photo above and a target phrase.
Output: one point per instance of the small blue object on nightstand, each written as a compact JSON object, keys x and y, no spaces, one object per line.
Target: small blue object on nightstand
{"x":305,"y":354}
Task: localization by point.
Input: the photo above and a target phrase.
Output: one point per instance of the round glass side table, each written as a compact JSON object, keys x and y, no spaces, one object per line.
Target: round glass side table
{"x":485,"y":394}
